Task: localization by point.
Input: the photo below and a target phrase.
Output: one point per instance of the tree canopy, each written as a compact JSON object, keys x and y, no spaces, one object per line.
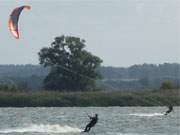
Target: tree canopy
{"x":71,"y":66}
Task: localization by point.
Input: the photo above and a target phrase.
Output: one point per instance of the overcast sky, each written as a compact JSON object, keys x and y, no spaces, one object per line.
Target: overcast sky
{"x":121,"y":32}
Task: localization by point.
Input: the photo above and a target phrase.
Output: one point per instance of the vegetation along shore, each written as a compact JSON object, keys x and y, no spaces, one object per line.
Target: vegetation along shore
{"x":83,"y":99}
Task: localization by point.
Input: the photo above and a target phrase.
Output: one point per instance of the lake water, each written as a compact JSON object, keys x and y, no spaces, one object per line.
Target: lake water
{"x":72,"y":120}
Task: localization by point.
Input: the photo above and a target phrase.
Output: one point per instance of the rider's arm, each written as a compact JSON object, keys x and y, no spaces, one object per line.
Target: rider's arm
{"x":89,"y":117}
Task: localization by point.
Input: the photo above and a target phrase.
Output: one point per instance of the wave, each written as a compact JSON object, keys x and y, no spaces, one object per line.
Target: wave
{"x":119,"y":133}
{"x":41,"y":128}
{"x":147,"y":114}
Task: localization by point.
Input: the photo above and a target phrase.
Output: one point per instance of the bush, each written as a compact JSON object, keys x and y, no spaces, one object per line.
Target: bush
{"x":8,"y":88}
{"x":166,"y":85}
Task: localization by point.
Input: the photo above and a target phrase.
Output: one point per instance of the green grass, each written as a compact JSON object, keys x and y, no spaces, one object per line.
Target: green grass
{"x":84,"y":99}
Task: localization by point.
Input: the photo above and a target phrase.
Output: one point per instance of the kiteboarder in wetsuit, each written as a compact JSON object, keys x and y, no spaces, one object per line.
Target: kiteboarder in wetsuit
{"x":91,"y":123}
{"x":169,"y":110}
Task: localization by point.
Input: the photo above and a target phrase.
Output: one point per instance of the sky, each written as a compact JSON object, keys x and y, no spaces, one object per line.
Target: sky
{"x":121,"y":32}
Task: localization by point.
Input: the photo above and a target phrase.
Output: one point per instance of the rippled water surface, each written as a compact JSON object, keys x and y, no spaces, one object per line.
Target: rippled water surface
{"x":72,"y":120}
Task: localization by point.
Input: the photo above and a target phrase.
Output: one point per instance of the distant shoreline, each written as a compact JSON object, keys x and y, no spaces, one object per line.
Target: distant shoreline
{"x":90,"y":99}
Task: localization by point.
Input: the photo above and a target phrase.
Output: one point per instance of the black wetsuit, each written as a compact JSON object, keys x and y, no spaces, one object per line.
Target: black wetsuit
{"x":91,"y":123}
{"x":170,"y":110}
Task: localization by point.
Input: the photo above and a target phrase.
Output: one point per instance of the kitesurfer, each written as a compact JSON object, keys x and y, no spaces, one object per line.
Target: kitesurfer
{"x":169,"y":110}
{"x":93,"y":121}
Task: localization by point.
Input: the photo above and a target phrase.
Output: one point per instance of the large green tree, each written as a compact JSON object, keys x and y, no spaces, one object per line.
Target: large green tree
{"x":72,"y":68}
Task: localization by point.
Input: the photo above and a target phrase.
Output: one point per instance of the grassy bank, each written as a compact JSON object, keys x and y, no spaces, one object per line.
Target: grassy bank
{"x":83,"y":99}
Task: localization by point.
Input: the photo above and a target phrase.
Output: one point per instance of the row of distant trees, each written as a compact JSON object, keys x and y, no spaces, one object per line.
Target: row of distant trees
{"x":144,"y":71}
{"x":35,"y":82}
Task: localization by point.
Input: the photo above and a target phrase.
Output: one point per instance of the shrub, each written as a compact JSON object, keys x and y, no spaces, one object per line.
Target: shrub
{"x":166,"y":85}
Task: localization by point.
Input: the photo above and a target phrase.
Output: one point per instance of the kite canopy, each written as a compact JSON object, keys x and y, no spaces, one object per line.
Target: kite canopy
{"x":13,"y":20}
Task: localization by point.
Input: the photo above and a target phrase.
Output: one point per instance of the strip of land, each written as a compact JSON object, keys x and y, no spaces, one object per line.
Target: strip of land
{"x":85,"y":99}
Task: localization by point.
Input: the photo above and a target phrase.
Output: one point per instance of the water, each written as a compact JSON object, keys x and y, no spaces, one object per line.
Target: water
{"x":72,"y":120}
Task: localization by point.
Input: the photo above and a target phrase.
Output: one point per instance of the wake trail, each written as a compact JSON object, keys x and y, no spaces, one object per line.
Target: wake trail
{"x":146,"y":114}
{"x":41,"y":128}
